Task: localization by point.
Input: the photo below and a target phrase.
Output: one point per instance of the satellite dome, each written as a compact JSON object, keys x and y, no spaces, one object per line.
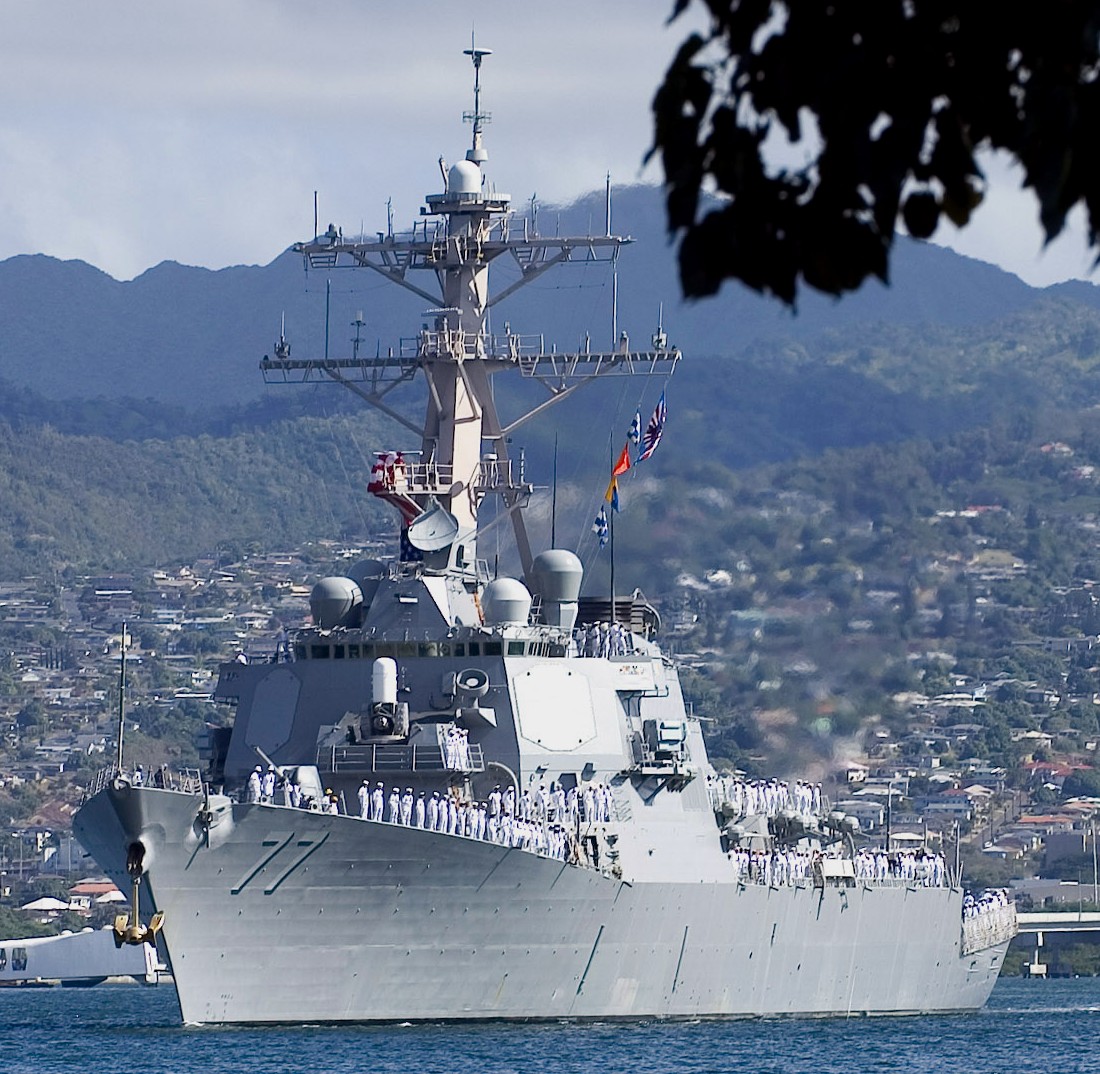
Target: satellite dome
{"x":556,"y":574}
{"x":506,"y":600}
{"x":464,"y":178}
{"x":334,"y":602}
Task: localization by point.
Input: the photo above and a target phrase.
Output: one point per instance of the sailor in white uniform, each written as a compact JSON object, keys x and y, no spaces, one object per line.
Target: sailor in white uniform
{"x":254,"y":784}
{"x":377,"y":801}
{"x":393,"y":814}
{"x":407,"y":807}
{"x":364,"y":799}
{"x":420,"y":810}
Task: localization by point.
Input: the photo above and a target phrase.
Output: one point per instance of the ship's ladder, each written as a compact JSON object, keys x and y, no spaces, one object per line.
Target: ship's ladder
{"x":621,"y":811}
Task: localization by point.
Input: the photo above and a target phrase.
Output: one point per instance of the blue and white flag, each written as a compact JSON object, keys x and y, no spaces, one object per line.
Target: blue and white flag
{"x":599,"y":527}
{"x":654,"y":430}
{"x":635,"y":434}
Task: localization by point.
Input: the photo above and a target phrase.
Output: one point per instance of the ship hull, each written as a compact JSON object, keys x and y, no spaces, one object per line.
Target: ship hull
{"x":375,"y":922}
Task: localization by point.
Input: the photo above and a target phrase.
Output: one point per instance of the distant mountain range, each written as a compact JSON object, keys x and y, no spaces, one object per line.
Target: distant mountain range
{"x":191,"y":337}
{"x":166,"y":366}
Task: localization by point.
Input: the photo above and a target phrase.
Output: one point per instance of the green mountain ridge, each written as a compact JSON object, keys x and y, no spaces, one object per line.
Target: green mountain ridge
{"x":97,"y":482}
{"x":192,"y":337}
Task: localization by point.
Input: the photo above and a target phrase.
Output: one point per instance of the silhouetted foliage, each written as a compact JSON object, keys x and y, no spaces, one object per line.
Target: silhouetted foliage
{"x":887,"y":101}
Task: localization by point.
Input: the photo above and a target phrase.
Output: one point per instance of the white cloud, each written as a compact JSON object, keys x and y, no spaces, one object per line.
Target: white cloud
{"x":135,"y":132}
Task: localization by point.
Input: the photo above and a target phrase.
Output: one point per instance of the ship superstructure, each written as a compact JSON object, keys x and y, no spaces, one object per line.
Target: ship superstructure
{"x":465,"y":796}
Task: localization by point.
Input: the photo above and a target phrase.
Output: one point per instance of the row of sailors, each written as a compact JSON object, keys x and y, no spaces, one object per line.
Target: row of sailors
{"x":450,"y":816}
{"x":790,"y":866}
{"x":989,"y":901}
{"x":603,"y":639}
{"x":767,"y":797}
{"x":773,"y":868}
{"x":920,"y":866}
{"x":592,"y":803}
{"x":262,"y":788}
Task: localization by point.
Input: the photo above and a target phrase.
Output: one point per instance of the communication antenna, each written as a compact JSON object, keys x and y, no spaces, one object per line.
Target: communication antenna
{"x":660,"y":337}
{"x":477,"y":117}
{"x":328,"y":307}
{"x":121,"y":694}
{"x":357,"y":324}
{"x":554,"y":500}
{"x":614,"y":271}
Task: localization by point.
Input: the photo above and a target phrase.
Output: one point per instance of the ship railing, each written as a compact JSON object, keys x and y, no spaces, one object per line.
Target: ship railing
{"x":495,"y":474}
{"x":389,"y":757}
{"x":187,"y":780}
{"x":819,"y":881}
{"x":377,"y":371}
{"x":988,"y":928}
{"x":456,"y":343}
{"x":557,"y":366}
{"x":898,"y":882}
{"x":100,"y":781}
{"x":415,"y":477}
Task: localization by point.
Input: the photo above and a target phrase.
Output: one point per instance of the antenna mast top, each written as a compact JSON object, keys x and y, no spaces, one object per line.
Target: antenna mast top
{"x":477,"y":117}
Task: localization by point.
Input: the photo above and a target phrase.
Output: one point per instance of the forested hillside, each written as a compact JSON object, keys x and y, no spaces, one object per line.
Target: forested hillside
{"x":99,"y":482}
{"x":88,"y":503}
{"x":814,"y":598}
{"x":191,"y":338}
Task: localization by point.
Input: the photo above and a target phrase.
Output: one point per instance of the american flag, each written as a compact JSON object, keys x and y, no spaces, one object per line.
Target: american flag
{"x":653,"y":430}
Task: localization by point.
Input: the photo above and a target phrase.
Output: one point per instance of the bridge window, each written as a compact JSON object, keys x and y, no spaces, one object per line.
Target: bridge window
{"x":337,"y":652}
{"x":18,"y":959}
{"x":318,"y":652}
{"x":353,"y":652}
{"x":515,"y":648}
{"x":492,"y":648}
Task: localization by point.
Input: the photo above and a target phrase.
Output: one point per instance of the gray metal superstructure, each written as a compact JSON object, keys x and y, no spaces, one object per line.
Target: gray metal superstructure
{"x":590,"y":862}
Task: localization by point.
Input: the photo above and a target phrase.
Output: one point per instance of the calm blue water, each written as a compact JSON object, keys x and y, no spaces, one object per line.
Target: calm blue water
{"x":1048,"y":1026}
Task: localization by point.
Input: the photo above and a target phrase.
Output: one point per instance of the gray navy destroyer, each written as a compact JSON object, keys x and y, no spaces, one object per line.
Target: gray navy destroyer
{"x":459,"y":796}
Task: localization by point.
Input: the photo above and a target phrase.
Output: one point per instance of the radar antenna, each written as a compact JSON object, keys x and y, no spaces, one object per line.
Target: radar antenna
{"x":464,"y":453}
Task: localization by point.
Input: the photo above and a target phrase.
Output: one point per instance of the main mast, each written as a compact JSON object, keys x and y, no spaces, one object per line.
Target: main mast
{"x":464,"y":444}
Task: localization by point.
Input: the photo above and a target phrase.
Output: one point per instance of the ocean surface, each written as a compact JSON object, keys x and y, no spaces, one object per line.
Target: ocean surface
{"x":1049,"y":1026}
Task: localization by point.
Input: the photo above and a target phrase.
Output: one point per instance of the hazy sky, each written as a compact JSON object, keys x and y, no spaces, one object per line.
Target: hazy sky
{"x":137,"y":132}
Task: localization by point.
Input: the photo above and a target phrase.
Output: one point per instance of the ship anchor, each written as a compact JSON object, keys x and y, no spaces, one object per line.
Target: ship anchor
{"x":128,"y":928}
